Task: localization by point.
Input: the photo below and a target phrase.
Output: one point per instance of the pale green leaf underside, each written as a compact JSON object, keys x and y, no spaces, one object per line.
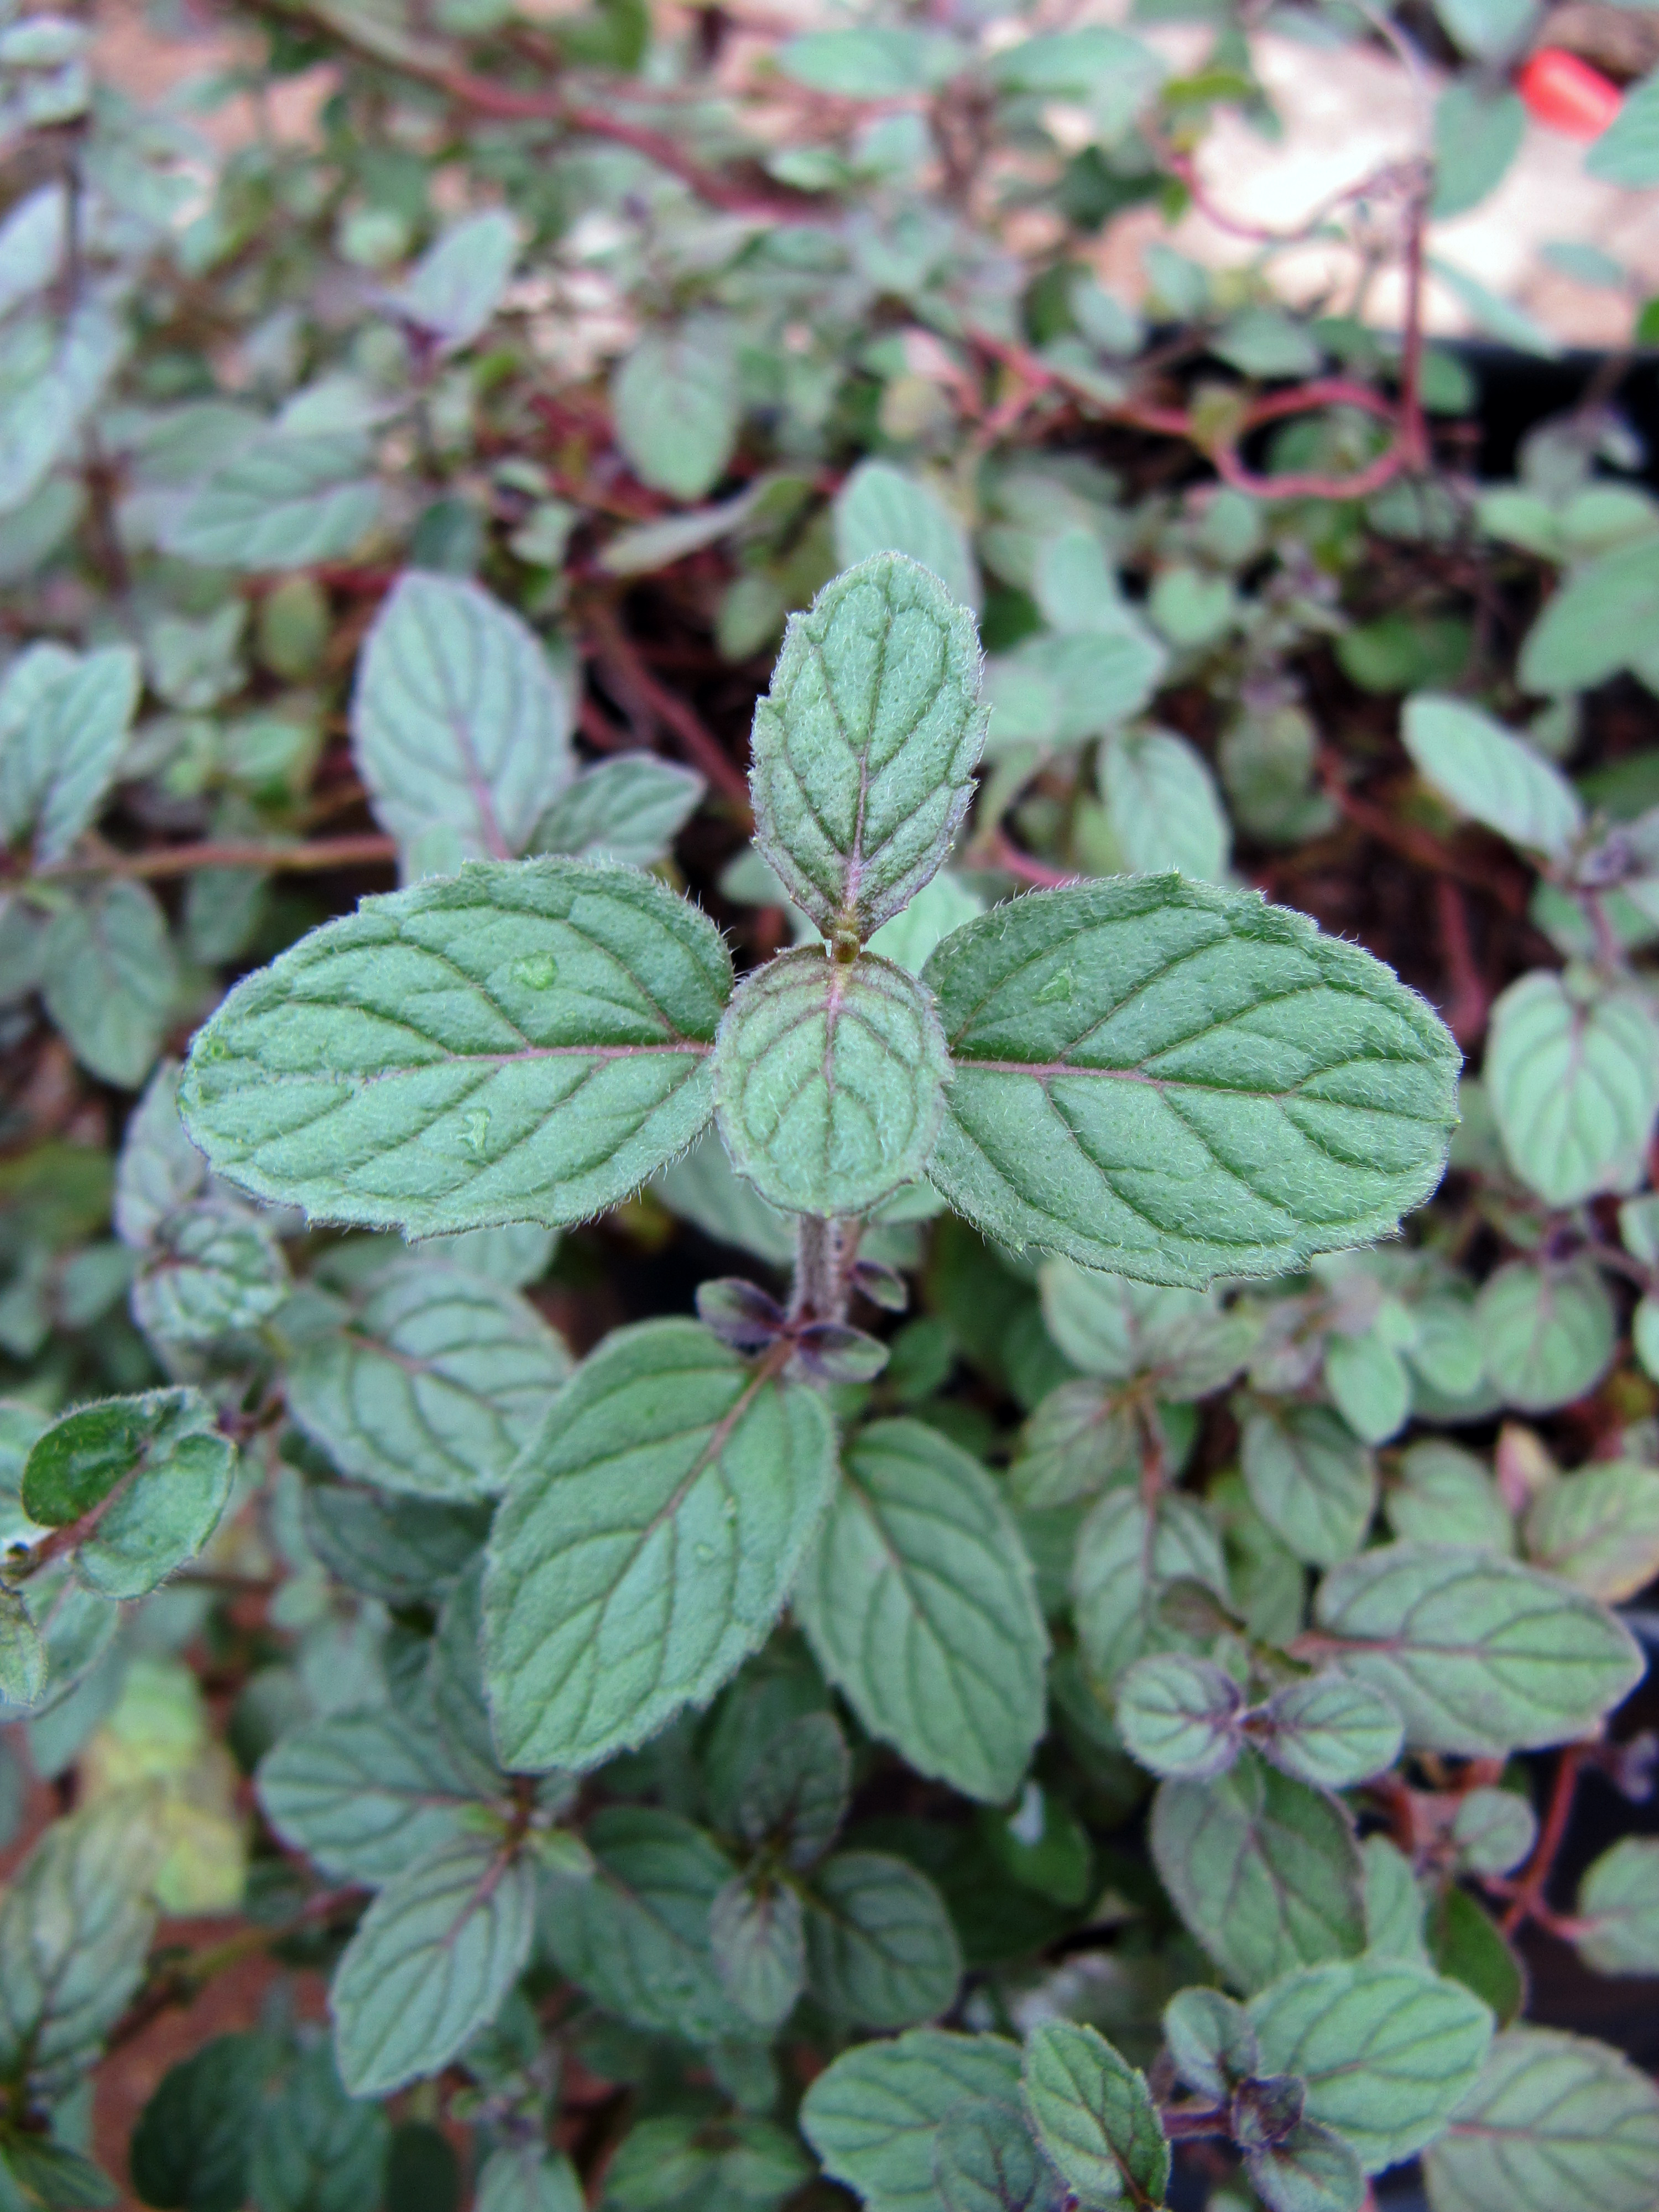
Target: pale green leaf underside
{"x":431,"y":1962}
{"x":647,"y":1542}
{"x":918,"y":1600}
{"x":522,"y":1042}
{"x":1387,"y":2051}
{"x":1619,"y":1909}
{"x":829,"y":1081}
{"x":1176,"y":1082}
{"x":1484,"y":770}
{"x":864,"y":748}
{"x":435,"y":1388}
{"x":872,"y":2116}
{"x":1478,"y":1654}
{"x":1553,"y":2120}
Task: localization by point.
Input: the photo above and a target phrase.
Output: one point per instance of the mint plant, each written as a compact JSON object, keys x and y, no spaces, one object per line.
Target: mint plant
{"x":828,"y":1284}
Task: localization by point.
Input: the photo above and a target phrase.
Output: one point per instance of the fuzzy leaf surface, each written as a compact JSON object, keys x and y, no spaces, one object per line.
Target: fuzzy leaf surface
{"x":880,"y":1948}
{"x":647,"y":1541}
{"x":523,"y":1043}
{"x":1093,"y":2115}
{"x":919,"y":1602}
{"x":1552,"y":2114}
{"x":829,"y":1081}
{"x":1174,"y":1082}
{"x":865,"y":747}
{"x":1574,"y":1083}
{"x":1311,"y":1480}
{"x":1484,"y":771}
{"x":363,"y":1795}
{"x":873,"y":2115}
{"x":1478,"y":1654}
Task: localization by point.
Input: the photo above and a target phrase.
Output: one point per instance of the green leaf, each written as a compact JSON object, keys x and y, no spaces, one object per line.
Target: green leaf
{"x":1439,"y":1493}
{"x":285,"y":501}
{"x":525,"y":1043}
{"x":687,"y":2159}
{"x":1574,"y":1081}
{"x":1370,"y":1384}
{"x":1548,"y":1332}
{"x":636,"y":1935}
{"x":1627,"y":151}
{"x":53,"y":371}
{"x":1478,"y":1654}
{"x":1211,"y":2041}
{"x":76,"y":1925}
{"x":1598,"y":1529}
{"x":1329,"y":1731}
{"x":873,"y":2115}
{"x":1549,"y":2112}
{"x":400,"y":1549}
{"x":158,"y":1169}
{"x":918,"y":1603}
{"x":629,"y":808}
{"x":794,"y":1797}
{"x":363,"y":1795}
{"x":1178,"y":1714}
{"x":1164,"y":807}
{"x":865,"y":747}
{"x":1176,"y":1081}
{"x":438,"y":1384}
{"x":1127,"y":1552}
{"x":431,"y":1963}
{"x":647,"y":1541}
{"x":456,"y":286}
{"x":1388,"y":2051}
{"x":55,"y":2175}
{"x":1083,"y":1436}
{"x":1477,"y":134}
{"x":1264,"y":1870}
{"x":153,"y":1472}
{"x":529,"y":2180}
{"x":1058,"y":690}
{"x":109,"y":977}
{"x":1117,"y":1328}
{"x":1601,"y":620}
{"x":704,"y":1188}
{"x":881,"y":510}
{"x":758,"y":1934}
{"x":63,"y":722}
{"x":872,"y":62}
{"x":984,"y":2161}
{"x":458,"y":723}
{"x":190,"y":2149}
{"x":880,"y":1948}
{"x":1493,"y":1830}
{"x":211,"y":1267}
{"x":1489,"y":29}
{"x":1474,"y":764}
{"x":1466,"y":1946}
{"x":675,"y":403}
{"x":1093,"y":2115}
{"x":829,"y":1081}
{"x":22,"y":1655}
{"x":1616,"y":1929}
{"x":1311,"y":2170}
{"x":314,"y":2148}
{"x":1311,"y":1480}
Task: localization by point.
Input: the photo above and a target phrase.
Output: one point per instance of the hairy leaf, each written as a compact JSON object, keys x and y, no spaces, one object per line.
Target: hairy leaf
{"x":919,"y":1604}
{"x":873,"y":2115}
{"x":431,"y":1963}
{"x":829,"y":1081}
{"x":1178,"y":1082}
{"x":880,"y":1948}
{"x":437,"y":1385}
{"x":1551,"y":2113}
{"x":363,"y":1795}
{"x":984,"y":2161}
{"x":524,"y":1042}
{"x":675,"y":398}
{"x":865,"y":747}
{"x":1117,"y":1328}
{"x":647,"y":1541}
{"x":636,"y":1935}
{"x":108,"y":977}
{"x":1617,"y":1923}
{"x":283,"y":503}
{"x":458,"y":723}
{"x":1093,"y":2115}
{"x":1329,"y":1731}
{"x":758,"y":1934}
{"x":63,"y":720}
{"x":1478,"y":1654}
{"x":1311,"y":1480}
{"x":1164,"y":808}
{"x":1211,"y":2040}
{"x":1388,"y":2051}
{"x":1264,"y":1870}
{"x":1598,"y":1529}
{"x":1178,"y":1714}
{"x":1127,"y":1552}
{"x":1548,"y":1333}
{"x":629,"y":808}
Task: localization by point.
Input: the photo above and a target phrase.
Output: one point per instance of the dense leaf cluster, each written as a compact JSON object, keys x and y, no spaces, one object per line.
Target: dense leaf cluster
{"x":799,"y":1477}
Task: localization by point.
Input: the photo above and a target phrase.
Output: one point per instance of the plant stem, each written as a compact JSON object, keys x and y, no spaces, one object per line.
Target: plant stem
{"x":371,"y":847}
{"x":824,"y":1251}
